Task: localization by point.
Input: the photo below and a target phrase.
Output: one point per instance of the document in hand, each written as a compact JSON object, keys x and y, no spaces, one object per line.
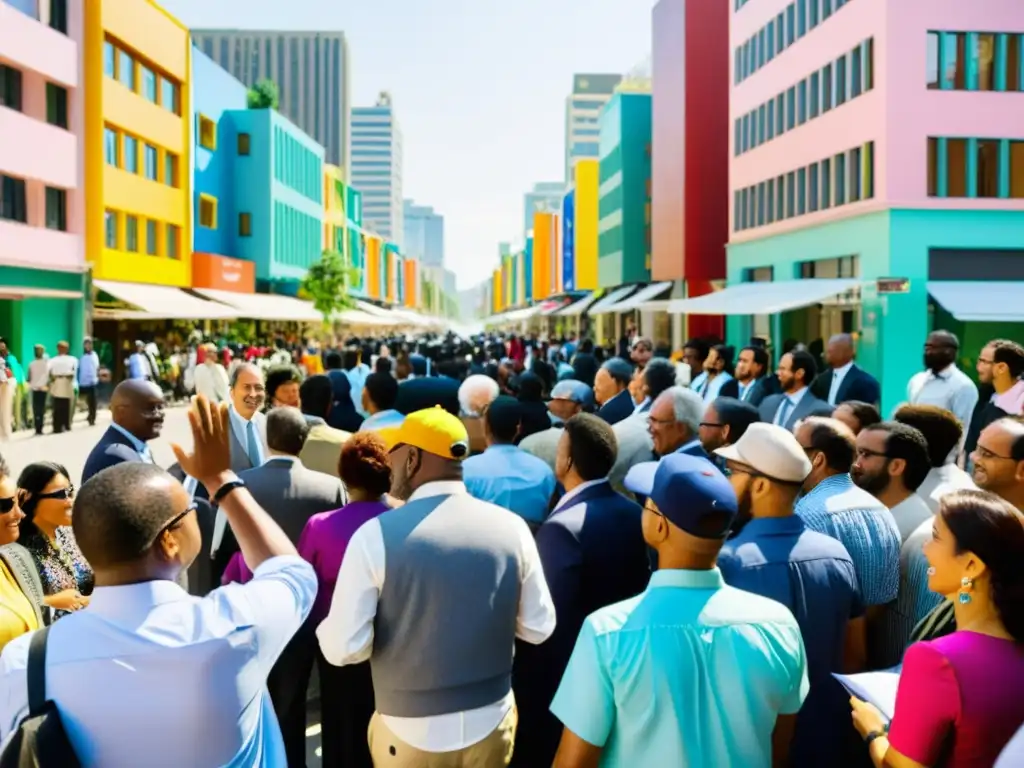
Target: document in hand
{"x":878,"y":688}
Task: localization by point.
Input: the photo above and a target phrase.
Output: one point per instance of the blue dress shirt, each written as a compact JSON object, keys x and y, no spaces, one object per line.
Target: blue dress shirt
{"x":89,"y":369}
{"x":138,"y":367}
{"x":140,"y":447}
{"x":382,"y":420}
{"x":511,"y":478}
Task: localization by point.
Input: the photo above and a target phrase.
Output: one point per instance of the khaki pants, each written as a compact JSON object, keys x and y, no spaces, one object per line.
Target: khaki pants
{"x":495,"y":751}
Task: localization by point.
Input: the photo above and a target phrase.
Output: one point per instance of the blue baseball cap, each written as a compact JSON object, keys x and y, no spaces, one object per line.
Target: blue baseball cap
{"x":686,"y":489}
{"x":576,"y":391}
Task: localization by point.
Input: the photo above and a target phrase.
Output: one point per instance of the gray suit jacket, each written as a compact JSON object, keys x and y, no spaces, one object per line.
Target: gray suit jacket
{"x":292,"y":494}
{"x":239,"y":455}
{"x":633,"y":439}
{"x":809,"y":405}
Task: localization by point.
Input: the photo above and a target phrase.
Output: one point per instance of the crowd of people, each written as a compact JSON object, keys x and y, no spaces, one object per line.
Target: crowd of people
{"x":506,"y":550}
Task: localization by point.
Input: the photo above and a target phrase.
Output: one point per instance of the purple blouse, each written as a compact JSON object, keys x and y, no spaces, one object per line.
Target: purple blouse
{"x":323,"y":544}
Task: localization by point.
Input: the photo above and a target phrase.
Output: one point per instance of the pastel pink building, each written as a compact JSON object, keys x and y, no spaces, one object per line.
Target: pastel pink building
{"x":869,"y":139}
{"x":42,"y":262}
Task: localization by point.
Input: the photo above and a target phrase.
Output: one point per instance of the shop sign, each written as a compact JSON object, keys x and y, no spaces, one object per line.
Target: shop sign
{"x":222,"y":273}
{"x":886,"y":285}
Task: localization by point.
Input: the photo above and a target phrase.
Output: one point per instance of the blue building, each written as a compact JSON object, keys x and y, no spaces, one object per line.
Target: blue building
{"x":424,"y":234}
{"x":377,"y":167}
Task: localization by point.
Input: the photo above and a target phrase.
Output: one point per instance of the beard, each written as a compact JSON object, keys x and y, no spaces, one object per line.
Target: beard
{"x":873,"y":483}
{"x":744,"y":512}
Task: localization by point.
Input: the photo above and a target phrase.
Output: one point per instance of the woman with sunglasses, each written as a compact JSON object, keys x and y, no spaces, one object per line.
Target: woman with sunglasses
{"x":46,"y":496}
{"x":21,"y":592}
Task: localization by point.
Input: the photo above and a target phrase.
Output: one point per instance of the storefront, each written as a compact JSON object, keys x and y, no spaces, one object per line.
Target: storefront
{"x":41,"y":307}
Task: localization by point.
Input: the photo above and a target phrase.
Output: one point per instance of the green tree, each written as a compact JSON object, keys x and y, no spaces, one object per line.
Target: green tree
{"x":263,"y":95}
{"x":327,"y":284}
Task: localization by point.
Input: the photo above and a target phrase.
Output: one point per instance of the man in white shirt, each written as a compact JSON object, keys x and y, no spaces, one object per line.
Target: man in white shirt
{"x":63,"y":371}
{"x":148,"y":674}
{"x":39,"y":383}
{"x":434,"y":594}
{"x":211,"y":380}
{"x":942,"y":383}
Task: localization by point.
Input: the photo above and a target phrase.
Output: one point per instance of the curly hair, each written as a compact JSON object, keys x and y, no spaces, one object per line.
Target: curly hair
{"x":364,"y":464}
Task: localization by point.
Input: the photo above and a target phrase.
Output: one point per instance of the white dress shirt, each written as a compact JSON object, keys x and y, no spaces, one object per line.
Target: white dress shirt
{"x":39,"y":374}
{"x":150,"y":675}
{"x":346,"y":635}
{"x":949,"y":388}
{"x":211,"y":381}
{"x":838,"y":374}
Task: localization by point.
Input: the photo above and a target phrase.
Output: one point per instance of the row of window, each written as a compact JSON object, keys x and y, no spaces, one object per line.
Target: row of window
{"x":122,"y":150}
{"x":975,"y":61}
{"x":832,"y":86}
{"x":12,"y":96}
{"x":799,"y":18}
{"x":14,"y":204}
{"x":296,"y":166}
{"x":58,"y":11}
{"x":207,"y":132}
{"x":970,"y":167}
{"x":297,"y":236}
{"x":137,"y":234}
{"x":141,"y":78}
{"x":845,"y":178}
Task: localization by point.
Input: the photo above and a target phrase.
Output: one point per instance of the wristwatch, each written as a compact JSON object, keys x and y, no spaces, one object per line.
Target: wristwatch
{"x":227,"y":488}
{"x":876,"y":735}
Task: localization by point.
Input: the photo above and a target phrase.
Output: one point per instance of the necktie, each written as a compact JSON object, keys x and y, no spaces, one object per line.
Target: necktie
{"x":784,"y":410}
{"x":252,"y":447}
{"x":833,"y":394}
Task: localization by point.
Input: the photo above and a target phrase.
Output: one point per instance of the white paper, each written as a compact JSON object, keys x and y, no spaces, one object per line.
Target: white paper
{"x":878,"y":688}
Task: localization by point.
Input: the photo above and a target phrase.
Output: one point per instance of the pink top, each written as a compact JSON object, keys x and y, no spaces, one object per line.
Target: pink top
{"x":959,"y":700}
{"x":1012,"y":400}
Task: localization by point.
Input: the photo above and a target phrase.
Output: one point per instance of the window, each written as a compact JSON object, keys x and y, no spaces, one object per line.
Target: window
{"x":988,"y":168}
{"x":868,"y":190}
{"x":131,"y":154}
{"x":826,"y":9}
{"x":171,"y":170}
{"x":956,"y":167}
{"x":736,"y":202}
{"x":791,"y":109}
{"x":173,"y":239}
{"x":10,"y":88}
{"x":771,"y":119}
{"x":780,"y":114}
{"x":110,"y":147}
{"x":815,"y":94}
{"x":812,"y":189}
{"x":801,"y":103}
{"x":12,"y":199}
{"x":801,"y":17}
{"x":761,"y":132}
{"x":869,"y":64}
{"x":790,"y":194}
{"x":933,"y":167}
{"x":826,"y":184}
{"x":110,"y":224}
{"x":207,"y":212}
{"x":770,"y":200}
{"x":780,"y":33}
{"x":150,"y":164}
{"x":1013,"y":44}
{"x":801,"y":192}
{"x":152,"y":246}
{"x":59,"y":15}
{"x":131,"y":231}
{"x":853,"y":172}
{"x":737,"y":139}
{"x":244,"y":142}
{"x":744,"y":133}
{"x":812,"y":17}
{"x":245,"y":224}
{"x":780,"y":198}
{"x":791,"y":23}
{"x":743,"y":209}
{"x":984,"y":53}
{"x":56,"y":209}
{"x":856,"y":62}
{"x":148,"y":83}
{"x":932,"y":61}
{"x":126,"y":70}
{"x":1017,"y":169}
{"x":840,"y":166}
{"x":207,"y":133}
{"x":56,"y":105}
{"x":169,"y":95}
{"x":770,"y":39}
{"x":954,"y":60}
{"x":840,"y":81}
{"x":109,"y":59}
{"x":826,"y":89}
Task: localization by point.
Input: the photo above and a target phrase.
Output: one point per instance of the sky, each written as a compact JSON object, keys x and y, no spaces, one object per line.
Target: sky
{"x":479,"y":90}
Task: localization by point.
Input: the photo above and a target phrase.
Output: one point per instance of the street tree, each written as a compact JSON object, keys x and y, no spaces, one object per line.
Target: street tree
{"x":263,"y":95}
{"x":328,"y":284}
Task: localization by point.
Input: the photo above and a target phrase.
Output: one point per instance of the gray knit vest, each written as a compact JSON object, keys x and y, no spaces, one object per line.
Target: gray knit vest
{"x":446,"y":616}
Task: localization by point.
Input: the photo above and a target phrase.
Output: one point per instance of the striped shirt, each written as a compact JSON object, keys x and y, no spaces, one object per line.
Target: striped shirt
{"x":838,"y":508}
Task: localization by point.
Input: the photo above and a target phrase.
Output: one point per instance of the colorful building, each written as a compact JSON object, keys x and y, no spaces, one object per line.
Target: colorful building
{"x":546,"y":251}
{"x":586,"y":198}
{"x":624,"y":226}
{"x":828,"y":182}
{"x":42,"y":223}
{"x":137,"y":143}
{"x":335,"y":197}
{"x":356,"y":238}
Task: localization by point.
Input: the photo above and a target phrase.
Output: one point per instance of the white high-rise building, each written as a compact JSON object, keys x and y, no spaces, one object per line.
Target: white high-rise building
{"x":545,"y":197}
{"x":424,"y":234}
{"x":310,"y":69}
{"x":582,"y":109}
{"x":376,"y":169}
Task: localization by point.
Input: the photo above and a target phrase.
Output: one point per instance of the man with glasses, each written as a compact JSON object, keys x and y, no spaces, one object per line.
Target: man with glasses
{"x":137,"y":411}
{"x":183,"y":679}
{"x":999,"y":460}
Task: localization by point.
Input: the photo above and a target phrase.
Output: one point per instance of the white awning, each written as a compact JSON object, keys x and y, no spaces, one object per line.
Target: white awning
{"x":161,"y":302}
{"x":763,"y":298}
{"x":358,"y":317}
{"x":993,"y":301}
{"x":609,"y":300}
{"x":645,"y":294}
{"x":265,"y":306}
{"x":579,"y":307}
{"x":21,"y":292}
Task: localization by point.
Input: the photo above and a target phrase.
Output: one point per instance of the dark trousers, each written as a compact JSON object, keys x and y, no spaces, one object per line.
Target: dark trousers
{"x":61,"y":414}
{"x":38,"y":409}
{"x":89,"y":393}
{"x":346,"y":706}
{"x":288,"y":683}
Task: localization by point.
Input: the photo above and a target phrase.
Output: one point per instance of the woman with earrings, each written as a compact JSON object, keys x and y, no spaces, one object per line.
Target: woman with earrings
{"x":961,"y":697}
{"x":46,"y":496}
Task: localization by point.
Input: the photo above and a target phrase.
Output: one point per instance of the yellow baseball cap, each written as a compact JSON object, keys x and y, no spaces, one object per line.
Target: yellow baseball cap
{"x":433,"y":430}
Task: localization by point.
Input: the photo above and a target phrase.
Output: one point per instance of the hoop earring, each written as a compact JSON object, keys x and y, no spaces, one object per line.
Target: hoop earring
{"x":964,"y":596}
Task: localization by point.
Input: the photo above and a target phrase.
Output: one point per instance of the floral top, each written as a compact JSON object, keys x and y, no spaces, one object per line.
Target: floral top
{"x":60,"y":567}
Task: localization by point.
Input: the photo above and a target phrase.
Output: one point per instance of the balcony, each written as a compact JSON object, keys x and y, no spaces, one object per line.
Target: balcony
{"x":31,"y":44}
{"x":32,"y":149}
{"x":22,"y":245}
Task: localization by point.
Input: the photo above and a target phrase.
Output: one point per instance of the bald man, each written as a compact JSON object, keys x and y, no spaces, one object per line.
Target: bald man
{"x":842,"y":380}
{"x":137,"y":407}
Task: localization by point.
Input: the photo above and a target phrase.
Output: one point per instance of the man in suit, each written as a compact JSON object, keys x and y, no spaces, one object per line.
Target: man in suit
{"x":843,"y":380}
{"x":248,"y":424}
{"x":291,"y":494}
{"x":750,"y":382}
{"x":593,"y":553}
{"x":611,"y":389}
{"x":137,"y":410}
{"x":322,"y":449}
{"x":796,"y":402}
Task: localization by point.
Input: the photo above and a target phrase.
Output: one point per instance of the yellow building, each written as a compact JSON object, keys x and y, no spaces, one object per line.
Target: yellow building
{"x":335,"y":238}
{"x":585,"y":225}
{"x":137,"y":143}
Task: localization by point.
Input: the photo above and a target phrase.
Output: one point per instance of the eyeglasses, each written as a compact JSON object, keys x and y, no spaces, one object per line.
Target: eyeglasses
{"x":6,"y":505}
{"x":63,"y":494}
{"x":867,"y":453}
{"x":985,"y":453}
{"x":711,"y":424}
{"x":175,"y":521}
{"x":660,"y":422}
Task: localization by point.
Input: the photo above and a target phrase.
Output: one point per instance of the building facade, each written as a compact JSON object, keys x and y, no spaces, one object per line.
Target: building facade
{"x":590,"y":92}
{"x":377,"y":167}
{"x":624,"y":203}
{"x":311,"y":71}
{"x":424,"y":234}
{"x":830,"y":180}
{"x":42,"y":216}
{"x":137,"y":143}
{"x":545,"y":197}
{"x":335,"y":218}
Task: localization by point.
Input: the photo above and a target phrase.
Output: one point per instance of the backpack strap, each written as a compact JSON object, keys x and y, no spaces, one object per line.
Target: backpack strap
{"x":37,"y":672}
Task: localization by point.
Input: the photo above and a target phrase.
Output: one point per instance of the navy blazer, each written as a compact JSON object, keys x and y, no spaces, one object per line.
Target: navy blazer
{"x":754,"y":394}
{"x":113,"y":448}
{"x":593,"y":553}
{"x":857,"y":384}
{"x":618,"y":408}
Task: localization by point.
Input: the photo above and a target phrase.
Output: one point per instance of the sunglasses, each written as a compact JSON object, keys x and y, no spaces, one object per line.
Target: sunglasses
{"x":6,"y":505}
{"x":62,"y":494}
{"x":173,"y":523}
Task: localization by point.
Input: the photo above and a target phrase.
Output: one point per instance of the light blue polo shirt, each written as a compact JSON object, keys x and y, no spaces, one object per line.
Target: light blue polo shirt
{"x":690,"y":673}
